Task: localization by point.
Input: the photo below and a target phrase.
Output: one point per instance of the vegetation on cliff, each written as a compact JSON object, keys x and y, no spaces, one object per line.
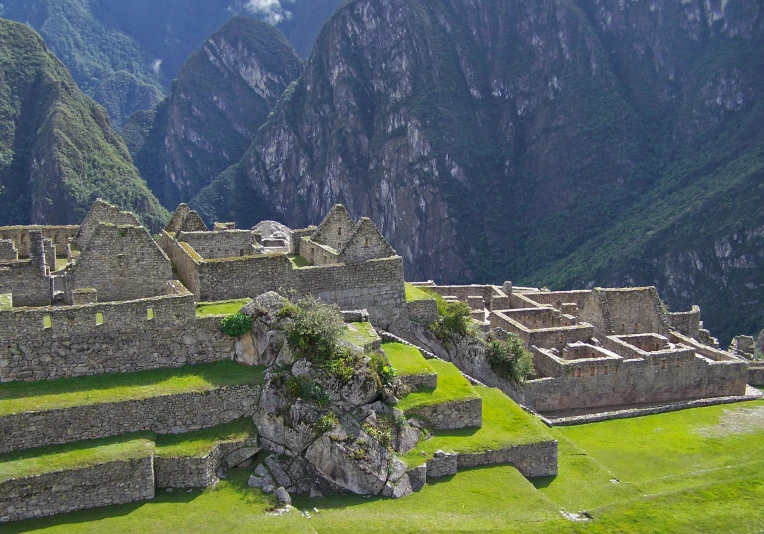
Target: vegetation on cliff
{"x":58,"y":152}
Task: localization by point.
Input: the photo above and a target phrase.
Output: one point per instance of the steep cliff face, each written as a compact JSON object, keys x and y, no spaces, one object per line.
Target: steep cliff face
{"x":58,"y":152}
{"x":565,"y":143}
{"x":224,"y":92}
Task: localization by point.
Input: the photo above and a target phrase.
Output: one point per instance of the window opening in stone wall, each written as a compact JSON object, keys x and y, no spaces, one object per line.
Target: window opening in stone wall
{"x":339,"y":231}
{"x":365,"y":241}
{"x":150,"y":314}
{"x":99,"y":318}
{"x":593,"y":371}
{"x":663,"y":364}
{"x":46,"y":322}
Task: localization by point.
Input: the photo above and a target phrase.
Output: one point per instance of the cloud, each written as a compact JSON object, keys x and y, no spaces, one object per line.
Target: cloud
{"x":272,"y":11}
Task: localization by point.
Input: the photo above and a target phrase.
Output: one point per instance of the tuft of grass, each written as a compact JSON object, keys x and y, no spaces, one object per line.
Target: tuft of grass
{"x":6,"y":301}
{"x":298,"y":261}
{"x":75,"y":455}
{"x":22,"y":397}
{"x":221,"y":307}
{"x":452,"y":386}
{"x":200,"y":443}
{"x":413,"y":293}
{"x":359,"y":334}
{"x":504,"y":424}
{"x":407,"y":360}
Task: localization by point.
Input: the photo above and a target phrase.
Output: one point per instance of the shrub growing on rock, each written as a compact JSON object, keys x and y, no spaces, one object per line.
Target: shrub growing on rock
{"x":509,"y":359}
{"x":236,"y":324}
{"x":315,"y":330}
{"x":454,"y":320}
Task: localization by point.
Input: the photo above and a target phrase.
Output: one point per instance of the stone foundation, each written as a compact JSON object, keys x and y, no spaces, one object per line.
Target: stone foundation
{"x":532,"y":460}
{"x":452,"y":415}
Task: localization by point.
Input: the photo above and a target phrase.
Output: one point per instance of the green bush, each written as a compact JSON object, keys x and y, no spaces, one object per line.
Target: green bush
{"x":308,"y":390}
{"x":454,"y":320}
{"x":236,"y":324}
{"x":509,"y":359}
{"x":315,"y":331}
{"x":381,"y":366}
{"x":326,"y":422}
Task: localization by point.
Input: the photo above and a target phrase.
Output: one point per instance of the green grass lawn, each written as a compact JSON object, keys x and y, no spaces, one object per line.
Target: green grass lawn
{"x":6,"y":300}
{"x":298,"y":261}
{"x":414,"y":293}
{"x":60,"y":263}
{"x":74,"y":455}
{"x":223,"y":307}
{"x":452,"y":386}
{"x":200,"y":442}
{"x":360,"y":333}
{"x":20,"y":397}
{"x":407,"y":360}
{"x":504,"y":424}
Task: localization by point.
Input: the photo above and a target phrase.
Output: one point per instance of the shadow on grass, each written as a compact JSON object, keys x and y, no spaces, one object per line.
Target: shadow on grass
{"x":223,"y":373}
{"x":78,"y":446}
{"x":542,"y":482}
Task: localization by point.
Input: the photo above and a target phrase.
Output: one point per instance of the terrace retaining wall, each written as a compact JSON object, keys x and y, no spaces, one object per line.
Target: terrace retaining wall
{"x":166,"y":414}
{"x":59,"y":492}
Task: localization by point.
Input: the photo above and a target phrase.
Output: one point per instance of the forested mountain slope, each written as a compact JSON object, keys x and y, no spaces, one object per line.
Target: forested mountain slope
{"x":564,"y":143}
{"x":58,"y":152}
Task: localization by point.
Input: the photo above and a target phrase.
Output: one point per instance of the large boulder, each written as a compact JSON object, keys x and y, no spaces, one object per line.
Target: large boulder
{"x":286,"y":426}
{"x":266,"y":344}
{"x":361,"y":389}
{"x":349,"y":458}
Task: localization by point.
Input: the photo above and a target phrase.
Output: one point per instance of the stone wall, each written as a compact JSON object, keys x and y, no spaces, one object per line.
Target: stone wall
{"x":122,"y":263}
{"x":23,"y":278}
{"x":423,"y":311}
{"x":186,"y":267}
{"x":60,"y":236}
{"x":452,"y":415}
{"x":420,"y":381}
{"x":201,"y":471}
{"x":8,"y":250}
{"x":59,"y":492}
{"x":297,"y":236}
{"x":557,"y":298}
{"x":221,"y":244}
{"x":632,"y":310}
{"x":556,"y":337}
{"x":532,"y":459}
{"x":70,"y":343}
{"x":365,"y":243}
{"x":687,"y":323}
{"x":317,"y":254}
{"x":756,"y":374}
{"x":335,"y":229}
{"x":101,"y":212}
{"x":163,"y":415}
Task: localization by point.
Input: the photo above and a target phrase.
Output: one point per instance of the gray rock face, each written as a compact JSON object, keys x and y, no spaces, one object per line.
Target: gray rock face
{"x":285,"y":426}
{"x":418,"y":477}
{"x":266,"y":343}
{"x":282,"y":496}
{"x":348,"y":457}
{"x":406,"y":439}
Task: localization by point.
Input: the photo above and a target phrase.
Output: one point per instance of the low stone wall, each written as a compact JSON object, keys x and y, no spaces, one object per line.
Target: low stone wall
{"x":424,"y":380}
{"x":65,"y":491}
{"x":532,"y":460}
{"x":442,"y":465}
{"x":59,"y":235}
{"x":201,"y":471}
{"x":163,"y":415}
{"x":452,"y":415}
{"x":56,"y":342}
{"x":423,"y":311}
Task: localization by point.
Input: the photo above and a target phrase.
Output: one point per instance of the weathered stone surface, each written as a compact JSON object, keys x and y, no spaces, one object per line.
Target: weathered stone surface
{"x":349,"y":458}
{"x":282,"y":496}
{"x":407,"y":438}
{"x":442,"y":465}
{"x":418,"y":477}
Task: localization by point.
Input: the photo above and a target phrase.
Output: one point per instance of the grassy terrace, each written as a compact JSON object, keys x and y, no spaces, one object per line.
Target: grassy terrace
{"x":221,"y":307}
{"x":21,"y":397}
{"x":298,"y":261}
{"x":201,"y":442}
{"x":414,"y":293}
{"x":620,"y":472}
{"x":504,"y":424}
{"x":75,"y":455}
{"x":452,"y":386}
{"x":360,"y":333}
{"x":407,"y":360}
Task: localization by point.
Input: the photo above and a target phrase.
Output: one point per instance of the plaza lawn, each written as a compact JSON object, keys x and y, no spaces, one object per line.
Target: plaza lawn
{"x":200,"y":442}
{"x":74,"y":455}
{"x":413,"y":293}
{"x":223,"y":307}
{"x":452,"y":386}
{"x":406,"y":360}
{"x":21,"y":397}
{"x":360,"y":334}
{"x":504,"y":424}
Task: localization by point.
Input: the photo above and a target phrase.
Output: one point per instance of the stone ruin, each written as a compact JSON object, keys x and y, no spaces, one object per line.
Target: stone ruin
{"x":106,"y":297}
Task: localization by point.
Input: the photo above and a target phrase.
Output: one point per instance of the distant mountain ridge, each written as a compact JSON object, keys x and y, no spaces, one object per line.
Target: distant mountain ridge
{"x":58,"y":152}
{"x":223,"y":94}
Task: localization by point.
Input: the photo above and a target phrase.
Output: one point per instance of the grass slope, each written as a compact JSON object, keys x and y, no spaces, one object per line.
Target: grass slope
{"x":21,"y":397}
{"x":407,"y":360}
{"x":413,"y":293}
{"x":452,"y":386}
{"x":222,"y":307}
{"x":200,"y":442}
{"x":75,"y":455}
{"x":359,"y":333}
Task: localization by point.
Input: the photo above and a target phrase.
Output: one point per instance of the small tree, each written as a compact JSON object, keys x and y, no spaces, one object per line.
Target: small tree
{"x":454,"y":321}
{"x":509,"y":359}
{"x":315,"y":330}
{"x":235,"y":325}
